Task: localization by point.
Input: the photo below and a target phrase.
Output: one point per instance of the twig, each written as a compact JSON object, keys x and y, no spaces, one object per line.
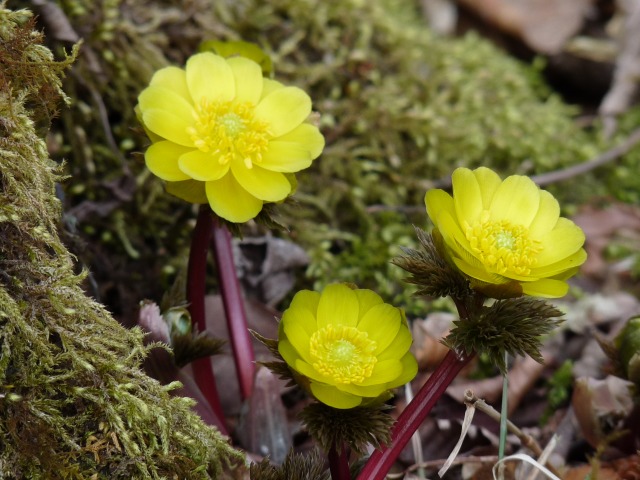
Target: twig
{"x":526,"y":440}
{"x":582,"y":168}
{"x":542,"y":179}
{"x":486,"y":459}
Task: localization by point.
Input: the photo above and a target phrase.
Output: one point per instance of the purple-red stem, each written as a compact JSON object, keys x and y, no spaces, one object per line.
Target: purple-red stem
{"x":243,"y":355}
{"x":202,"y":369}
{"x":410,"y":419}
{"x":339,"y":463}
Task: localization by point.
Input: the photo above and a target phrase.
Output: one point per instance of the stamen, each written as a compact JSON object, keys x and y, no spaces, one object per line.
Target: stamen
{"x":502,"y":246}
{"x":229,"y":132}
{"x":343,"y":353}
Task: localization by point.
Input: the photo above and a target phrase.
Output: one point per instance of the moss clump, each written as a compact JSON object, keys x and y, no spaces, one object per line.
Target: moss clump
{"x":74,"y":402}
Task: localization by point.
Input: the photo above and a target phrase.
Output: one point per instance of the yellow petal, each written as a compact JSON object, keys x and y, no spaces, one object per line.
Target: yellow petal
{"x":438,"y":201}
{"x":384,"y":372}
{"x":547,"y":216}
{"x":516,"y":200}
{"x":453,"y":236}
{"x":362,"y":391}
{"x":333,"y":397}
{"x":230,"y":201}
{"x":287,"y":351}
{"x":546,"y":287}
{"x":307,"y":135}
{"x":367,"y":299}
{"x":398,"y":347}
{"x":152,"y":136}
{"x":286,"y":157}
{"x":173,"y":79}
{"x":167,"y":100}
{"x":210,"y":77}
{"x":567,"y":274}
{"x":299,"y":339}
{"x":302,"y":316}
{"x":169,"y":126}
{"x":489,"y":182}
{"x":338,"y":306}
{"x":381,"y":323}
{"x":190,"y":190}
{"x":283,"y":110}
{"x":202,"y":166}
{"x":409,"y":371}
{"x":248,"y":79}
{"x":263,"y":184}
{"x":479,"y":273}
{"x":564,"y":240}
{"x":553,"y":269}
{"x":466,"y":196}
{"x":162,"y":159}
{"x":270,"y":86}
{"x":306,"y":299}
{"x":308,"y":371}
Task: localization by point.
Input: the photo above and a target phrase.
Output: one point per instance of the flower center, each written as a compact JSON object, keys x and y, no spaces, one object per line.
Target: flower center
{"x":343,"y":353}
{"x":229,"y":132}
{"x":501,"y":246}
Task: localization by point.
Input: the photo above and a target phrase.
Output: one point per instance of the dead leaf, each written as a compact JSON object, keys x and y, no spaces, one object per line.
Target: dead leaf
{"x":544,"y":25}
{"x":427,"y":334}
{"x":601,"y":227}
{"x":601,"y":406}
{"x":266,"y":266}
{"x":263,"y":426}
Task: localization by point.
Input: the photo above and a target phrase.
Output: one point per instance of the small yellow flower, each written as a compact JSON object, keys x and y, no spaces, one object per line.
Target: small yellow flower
{"x":225,"y":135}
{"x":507,"y":234}
{"x":349,"y":344}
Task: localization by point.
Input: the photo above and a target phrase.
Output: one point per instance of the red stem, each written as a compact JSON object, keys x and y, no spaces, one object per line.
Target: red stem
{"x":243,"y":355}
{"x":339,"y":463}
{"x":202,"y":369}
{"x":410,"y":419}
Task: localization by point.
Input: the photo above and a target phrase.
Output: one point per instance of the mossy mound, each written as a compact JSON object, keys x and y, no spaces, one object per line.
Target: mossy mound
{"x":400,"y":110}
{"x":74,"y":402}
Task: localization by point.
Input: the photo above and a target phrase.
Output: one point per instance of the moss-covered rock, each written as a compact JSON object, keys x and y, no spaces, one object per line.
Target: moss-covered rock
{"x":74,"y":402}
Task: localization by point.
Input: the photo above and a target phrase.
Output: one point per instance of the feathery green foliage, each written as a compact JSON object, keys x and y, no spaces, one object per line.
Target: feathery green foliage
{"x":309,"y":466}
{"x":354,"y":427}
{"x":74,"y":401}
{"x":514,"y":326}
{"x":430,"y":271}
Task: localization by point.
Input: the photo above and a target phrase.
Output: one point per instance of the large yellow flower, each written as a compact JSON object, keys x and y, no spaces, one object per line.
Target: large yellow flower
{"x":225,"y":135}
{"x":506,"y":233}
{"x":349,"y":344}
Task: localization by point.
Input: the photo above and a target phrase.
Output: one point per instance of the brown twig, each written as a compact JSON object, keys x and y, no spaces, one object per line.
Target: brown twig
{"x":582,"y":168}
{"x":542,"y":179}
{"x":527,"y":440}
{"x":485,"y":459}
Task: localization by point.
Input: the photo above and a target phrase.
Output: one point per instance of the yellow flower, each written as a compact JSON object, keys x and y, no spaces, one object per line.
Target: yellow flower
{"x":507,"y":234}
{"x":225,"y":135}
{"x":349,"y":344}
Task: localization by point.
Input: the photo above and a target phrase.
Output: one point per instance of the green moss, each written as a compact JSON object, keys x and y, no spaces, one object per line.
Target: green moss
{"x":74,"y":402}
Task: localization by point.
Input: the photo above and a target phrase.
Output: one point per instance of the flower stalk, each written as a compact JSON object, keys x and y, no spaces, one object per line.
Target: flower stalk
{"x":504,"y":408}
{"x":242,"y":347}
{"x":410,"y":419}
{"x":202,"y":369}
{"x":339,"y":463}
